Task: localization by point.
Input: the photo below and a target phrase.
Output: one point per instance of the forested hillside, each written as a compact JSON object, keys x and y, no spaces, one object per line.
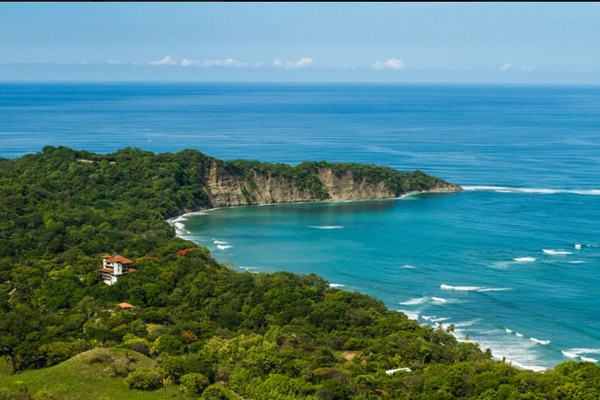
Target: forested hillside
{"x":198,"y":328}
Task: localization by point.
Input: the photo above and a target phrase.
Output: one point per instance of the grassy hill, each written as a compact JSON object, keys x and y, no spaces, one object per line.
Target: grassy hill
{"x":90,"y":372}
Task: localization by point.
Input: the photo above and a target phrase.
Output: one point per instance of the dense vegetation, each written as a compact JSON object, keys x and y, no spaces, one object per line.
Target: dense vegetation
{"x":209,"y":332}
{"x":305,"y":175}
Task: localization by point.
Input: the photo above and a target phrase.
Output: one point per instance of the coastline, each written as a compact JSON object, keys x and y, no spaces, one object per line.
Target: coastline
{"x":178,"y":223}
{"x":182,"y":217}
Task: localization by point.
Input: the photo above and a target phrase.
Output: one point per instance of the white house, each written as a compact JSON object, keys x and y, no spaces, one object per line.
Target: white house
{"x":113,"y":267}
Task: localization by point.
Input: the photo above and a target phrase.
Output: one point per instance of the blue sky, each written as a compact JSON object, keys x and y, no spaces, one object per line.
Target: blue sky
{"x":382,"y":42}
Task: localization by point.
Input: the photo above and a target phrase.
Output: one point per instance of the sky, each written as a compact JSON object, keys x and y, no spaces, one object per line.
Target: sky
{"x":318,"y":42}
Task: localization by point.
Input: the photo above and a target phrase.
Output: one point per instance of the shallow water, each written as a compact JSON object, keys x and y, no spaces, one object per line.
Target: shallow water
{"x":442,"y":259}
{"x":529,"y":157}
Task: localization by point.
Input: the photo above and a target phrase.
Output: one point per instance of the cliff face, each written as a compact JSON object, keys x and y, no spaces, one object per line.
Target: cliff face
{"x":227,"y":188}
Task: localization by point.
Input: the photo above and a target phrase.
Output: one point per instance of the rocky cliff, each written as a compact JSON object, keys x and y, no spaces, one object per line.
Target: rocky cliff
{"x":260,"y":183}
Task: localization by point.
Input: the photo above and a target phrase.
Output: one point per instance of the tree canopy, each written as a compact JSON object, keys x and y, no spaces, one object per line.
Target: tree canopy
{"x":214,"y":332}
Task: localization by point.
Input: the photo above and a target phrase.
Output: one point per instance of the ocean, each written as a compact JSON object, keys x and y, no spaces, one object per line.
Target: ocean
{"x":513,"y":262}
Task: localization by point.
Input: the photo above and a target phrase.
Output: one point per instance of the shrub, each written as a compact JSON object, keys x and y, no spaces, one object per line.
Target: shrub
{"x":193,"y":383}
{"x":145,"y":379}
{"x":140,"y":347}
{"x":169,"y":344}
{"x":218,"y":392}
{"x":57,"y":352}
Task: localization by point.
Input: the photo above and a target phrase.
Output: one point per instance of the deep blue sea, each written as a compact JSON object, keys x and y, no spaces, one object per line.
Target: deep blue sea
{"x":513,"y":262}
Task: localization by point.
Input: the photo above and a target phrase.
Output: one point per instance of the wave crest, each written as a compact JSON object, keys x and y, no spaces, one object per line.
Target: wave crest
{"x":524,"y":259}
{"x":415,"y":301}
{"x":540,"y":341}
{"x":552,"y":252}
{"x":508,"y":189}
{"x":443,"y":286}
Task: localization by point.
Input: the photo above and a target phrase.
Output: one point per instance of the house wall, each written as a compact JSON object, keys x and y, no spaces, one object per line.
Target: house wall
{"x":117,"y":268}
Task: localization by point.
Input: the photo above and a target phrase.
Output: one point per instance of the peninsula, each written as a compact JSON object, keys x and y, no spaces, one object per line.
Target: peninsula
{"x":181,"y":325}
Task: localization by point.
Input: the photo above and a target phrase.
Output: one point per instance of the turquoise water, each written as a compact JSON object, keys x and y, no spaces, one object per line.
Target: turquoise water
{"x":529,"y":157}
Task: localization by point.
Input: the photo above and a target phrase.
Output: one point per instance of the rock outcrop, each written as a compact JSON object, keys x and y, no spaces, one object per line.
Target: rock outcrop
{"x":232,"y":187}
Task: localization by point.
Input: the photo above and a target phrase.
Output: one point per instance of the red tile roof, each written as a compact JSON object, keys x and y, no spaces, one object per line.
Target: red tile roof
{"x":119,"y":259}
{"x":185,"y":251}
{"x":124,"y":306}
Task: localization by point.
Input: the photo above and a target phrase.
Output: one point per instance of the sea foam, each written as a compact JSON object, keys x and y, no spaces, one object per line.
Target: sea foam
{"x":252,"y":270}
{"x":336,"y":285}
{"x":410,"y":314}
{"x":507,"y":189}
{"x":439,"y":300}
{"x":422,"y":300}
{"x":443,"y":286}
{"x":580,"y":353}
{"x":552,"y":252}
{"x":540,"y":341}
{"x":326,"y":227}
{"x":511,"y":347}
{"x":524,"y":259}
{"x":415,"y":301}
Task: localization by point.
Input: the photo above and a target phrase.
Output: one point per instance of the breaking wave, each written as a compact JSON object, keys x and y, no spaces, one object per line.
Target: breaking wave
{"x":443,"y":286}
{"x":540,"y":341}
{"x":415,"y":301}
{"x":551,"y":252}
{"x":252,"y":270}
{"x":410,"y":314}
{"x":507,"y":189}
{"x":432,"y":300}
{"x":326,"y":227}
{"x":581,"y":353}
{"x":524,"y":259}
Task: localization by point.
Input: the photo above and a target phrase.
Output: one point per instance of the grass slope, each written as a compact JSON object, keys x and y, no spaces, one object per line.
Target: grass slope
{"x":85,"y":374}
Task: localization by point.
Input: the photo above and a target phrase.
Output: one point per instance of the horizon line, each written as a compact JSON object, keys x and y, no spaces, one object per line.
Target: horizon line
{"x":298,"y":82}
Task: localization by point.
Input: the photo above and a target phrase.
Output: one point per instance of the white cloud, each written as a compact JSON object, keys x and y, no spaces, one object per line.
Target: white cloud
{"x":168,"y":60}
{"x":512,"y":67}
{"x":186,"y":62}
{"x":392,"y":63}
{"x":227,"y":62}
{"x":301,"y":63}
{"x":304,"y":62}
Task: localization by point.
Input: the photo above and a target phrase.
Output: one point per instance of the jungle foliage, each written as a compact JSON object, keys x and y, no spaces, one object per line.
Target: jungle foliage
{"x":211,"y":332}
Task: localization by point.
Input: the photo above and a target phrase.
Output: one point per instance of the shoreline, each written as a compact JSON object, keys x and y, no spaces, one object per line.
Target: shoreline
{"x":182,"y":217}
{"x":180,"y":233}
